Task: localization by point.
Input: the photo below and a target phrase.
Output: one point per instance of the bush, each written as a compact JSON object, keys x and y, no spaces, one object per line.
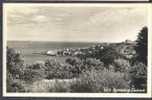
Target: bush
{"x":93,"y":63}
{"x":98,"y":81}
{"x":52,"y":68}
{"x":73,"y":61}
{"x":15,"y":86}
{"x":86,"y":83}
{"x":30,"y":75}
{"x":78,"y":66}
{"x":56,"y":70}
{"x":15,"y":67}
{"x":121,"y":65}
{"x":138,"y":75}
{"x":15,"y":63}
{"x":72,"y":69}
{"x":59,"y":87}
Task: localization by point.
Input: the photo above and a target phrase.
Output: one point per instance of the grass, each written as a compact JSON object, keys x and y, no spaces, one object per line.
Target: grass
{"x":53,"y":85}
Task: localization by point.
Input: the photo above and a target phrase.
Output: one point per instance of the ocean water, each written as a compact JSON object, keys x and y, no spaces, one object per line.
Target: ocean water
{"x":27,"y":48}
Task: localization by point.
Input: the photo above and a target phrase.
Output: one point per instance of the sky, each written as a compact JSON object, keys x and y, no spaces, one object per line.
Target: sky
{"x":74,"y":23}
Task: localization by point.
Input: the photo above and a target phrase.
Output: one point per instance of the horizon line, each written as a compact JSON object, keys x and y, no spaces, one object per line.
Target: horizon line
{"x":69,"y":41}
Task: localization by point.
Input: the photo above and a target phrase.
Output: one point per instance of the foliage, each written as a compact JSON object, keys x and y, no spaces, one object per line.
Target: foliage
{"x":31,"y":75}
{"x":74,"y":61}
{"x":138,"y":75}
{"x":121,"y":65}
{"x":107,"y":55}
{"x":78,"y":66}
{"x":72,"y":69}
{"x":15,"y":63}
{"x":93,"y":62}
{"x":138,"y":71}
{"x":14,"y":85}
{"x":54,"y":69}
{"x":15,"y":67}
{"x":59,"y":87}
{"x":98,"y":81}
{"x":141,"y":48}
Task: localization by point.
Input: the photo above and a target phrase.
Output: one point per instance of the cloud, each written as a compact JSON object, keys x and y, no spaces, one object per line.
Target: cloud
{"x":39,"y":18}
{"x":75,"y":23}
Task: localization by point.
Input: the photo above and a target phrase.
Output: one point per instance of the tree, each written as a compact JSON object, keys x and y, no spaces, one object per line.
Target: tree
{"x":15,"y":62}
{"x":141,"y":47}
{"x":138,"y":75}
{"x":31,"y":75}
{"x":107,"y":55}
{"x":139,"y":70}
{"x":15,"y":66}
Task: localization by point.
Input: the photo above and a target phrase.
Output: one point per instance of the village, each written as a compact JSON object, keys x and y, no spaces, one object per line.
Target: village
{"x":125,"y":48}
{"x":72,"y":51}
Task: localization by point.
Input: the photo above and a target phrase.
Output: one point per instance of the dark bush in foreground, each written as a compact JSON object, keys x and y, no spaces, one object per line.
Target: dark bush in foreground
{"x":138,"y":75}
{"x":15,"y":63}
{"x":15,"y":86}
{"x":15,"y":67}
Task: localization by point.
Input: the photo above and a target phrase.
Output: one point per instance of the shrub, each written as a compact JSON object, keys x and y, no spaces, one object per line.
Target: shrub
{"x":73,"y":61}
{"x":98,"y":81}
{"x":54,"y":69}
{"x":33,"y":73}
{"x":85,"y":84}
{"x":93,"y":63}
{"x":15,"y":67}
{"x":78,"y":66}
{"x":138,"y":75}
{"x":121,"y":65}
{"x":15,"y":86}
{"x":59,"y":87}
{"x":15,"y":63}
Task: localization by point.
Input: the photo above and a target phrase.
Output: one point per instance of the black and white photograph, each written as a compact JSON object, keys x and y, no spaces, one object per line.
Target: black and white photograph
{"x":74,"y":49}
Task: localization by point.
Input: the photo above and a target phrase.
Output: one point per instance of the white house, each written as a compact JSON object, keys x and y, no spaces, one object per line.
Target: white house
{"x":51,"y":53}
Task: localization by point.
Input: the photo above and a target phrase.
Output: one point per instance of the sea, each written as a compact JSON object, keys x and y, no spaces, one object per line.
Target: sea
{"x":28,"y":48}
